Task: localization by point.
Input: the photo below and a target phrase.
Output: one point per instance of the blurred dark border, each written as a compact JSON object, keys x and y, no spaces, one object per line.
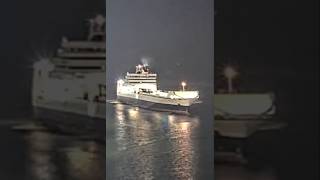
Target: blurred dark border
{"x":278,"y":43}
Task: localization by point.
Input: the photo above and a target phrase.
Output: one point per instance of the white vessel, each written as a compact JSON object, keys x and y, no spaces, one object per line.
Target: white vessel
{"x":242,"y":119}
{"x":239,"y":115}
{"x":70,"y":87}
{"x":141,"y":89}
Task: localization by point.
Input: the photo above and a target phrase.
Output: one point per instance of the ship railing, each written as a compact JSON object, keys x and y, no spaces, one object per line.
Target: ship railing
{"x":140,"y":75}
{"x":82,"y":54}
{"x":269,"y":113}
{"x":84,"y":45}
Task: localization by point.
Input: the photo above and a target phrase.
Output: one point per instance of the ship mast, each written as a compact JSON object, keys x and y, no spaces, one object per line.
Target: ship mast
{"x":97,"y":28}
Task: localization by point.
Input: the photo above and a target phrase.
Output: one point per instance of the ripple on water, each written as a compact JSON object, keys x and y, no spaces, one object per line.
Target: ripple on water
{"x":153,"y":145}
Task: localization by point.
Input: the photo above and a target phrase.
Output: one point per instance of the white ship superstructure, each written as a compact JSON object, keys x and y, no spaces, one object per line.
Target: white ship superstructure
{"x":141,"y":89}
{"x":72,"y":83}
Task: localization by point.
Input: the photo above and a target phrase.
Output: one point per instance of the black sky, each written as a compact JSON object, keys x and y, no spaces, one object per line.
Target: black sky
{"x":272,"y":41}
{"x":32,"y":28}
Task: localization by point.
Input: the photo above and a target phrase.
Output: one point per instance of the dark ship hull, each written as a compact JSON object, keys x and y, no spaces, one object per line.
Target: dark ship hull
{"x":154,"y":106}
{"x":71,"y":123}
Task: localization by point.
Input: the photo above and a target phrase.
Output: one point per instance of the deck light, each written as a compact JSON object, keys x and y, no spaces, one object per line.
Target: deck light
{"x":230,"y":73}
{"x":183,"y":84}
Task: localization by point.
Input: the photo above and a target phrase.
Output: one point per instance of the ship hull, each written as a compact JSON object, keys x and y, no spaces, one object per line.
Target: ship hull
{"x":154,"y":105}
{"x":70,"y":122}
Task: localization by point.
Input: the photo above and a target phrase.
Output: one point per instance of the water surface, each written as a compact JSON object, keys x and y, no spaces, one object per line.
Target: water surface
{"x":42,"y":155}
{"x":145,"y":144}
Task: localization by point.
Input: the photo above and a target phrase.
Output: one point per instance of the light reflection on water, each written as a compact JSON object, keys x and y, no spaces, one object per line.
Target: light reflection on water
{"x":41,"y":162}
{"x":143,"y":144}
{"x":62,"y":157}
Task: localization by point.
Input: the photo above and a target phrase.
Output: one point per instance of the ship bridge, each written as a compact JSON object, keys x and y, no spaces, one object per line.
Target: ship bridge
{"x":141,"y":80}
{"x":143,"y":75}
{"x":84,"y":55}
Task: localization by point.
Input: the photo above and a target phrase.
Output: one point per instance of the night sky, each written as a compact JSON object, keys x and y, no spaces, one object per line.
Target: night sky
{"x":177,"y":37}
{"x":30,"y":29}
{"x":272,"y":43}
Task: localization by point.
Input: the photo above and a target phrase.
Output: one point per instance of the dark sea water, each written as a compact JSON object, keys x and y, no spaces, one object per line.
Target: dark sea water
{"x":144,"y":144}
{"x":41,"y":155}
{"x":140,"y":144}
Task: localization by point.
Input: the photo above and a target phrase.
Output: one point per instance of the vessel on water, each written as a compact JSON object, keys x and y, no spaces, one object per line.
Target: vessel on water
{"x":241,"y":118}
{"x":69,"y":88}
{"x":140,"y":89}
{"x":239,"y":115}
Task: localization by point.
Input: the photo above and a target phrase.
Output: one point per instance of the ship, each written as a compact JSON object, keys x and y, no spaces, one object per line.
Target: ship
{"x":243,"y":119}
{"x":69,"y":89}
{"x":140,"y":89}
{"x":240,"y":115}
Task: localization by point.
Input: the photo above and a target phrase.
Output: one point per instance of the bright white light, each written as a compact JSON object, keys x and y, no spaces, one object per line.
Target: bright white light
{"x":230,"y":73}
{"x":183,"y":84}
{"x":44,"y":64}
{"x":133,"y":113}
{"x":184,"y":126}
{"x":120,"y":81}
